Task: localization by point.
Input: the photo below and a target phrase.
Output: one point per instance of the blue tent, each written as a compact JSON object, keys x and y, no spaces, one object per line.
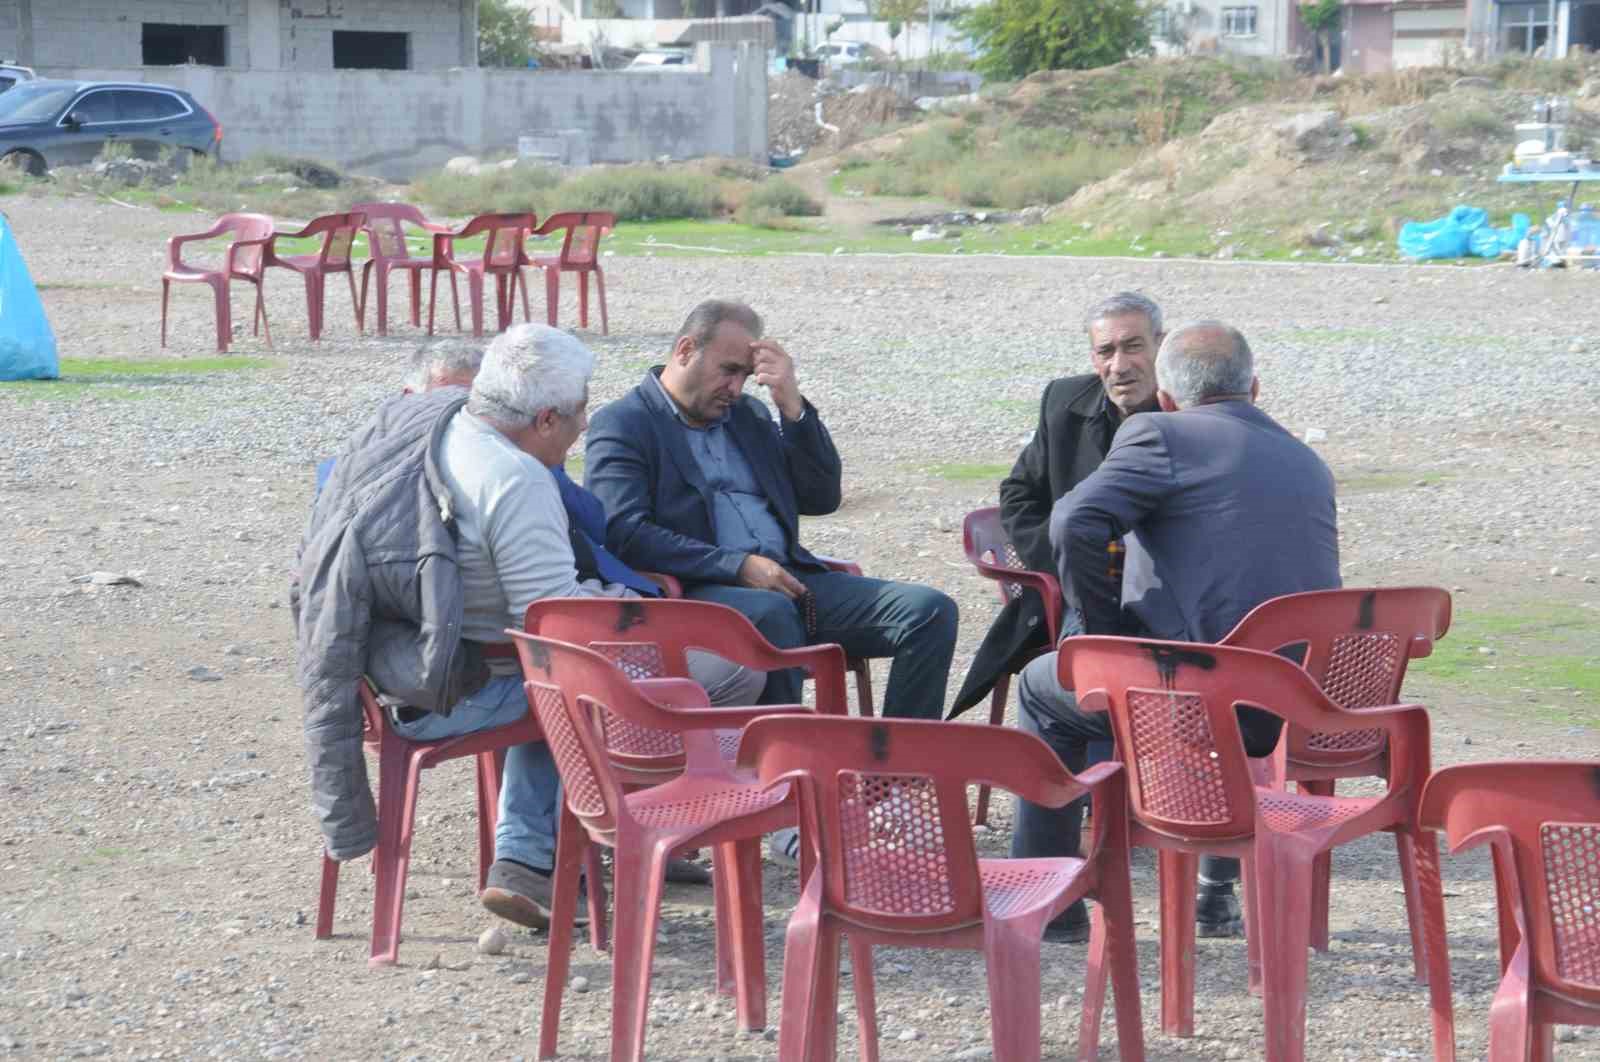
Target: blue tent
{"x":27,"y":345}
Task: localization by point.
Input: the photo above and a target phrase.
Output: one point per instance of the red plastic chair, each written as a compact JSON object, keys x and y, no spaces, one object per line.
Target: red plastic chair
{"x":991,"y":552}
{"x":502,"y":256}
{"x":884,"y":816}
{"x":1541,"y":819}
{"x":580,"y":246}
{"x":338,"y":232}
{"x":400,"y":767}
{"x":1355,"y":643}
{"x":387,"y":251}
{"x":1191,"y":790}
{"x":575,"y":692}
{"x":244,"y":261}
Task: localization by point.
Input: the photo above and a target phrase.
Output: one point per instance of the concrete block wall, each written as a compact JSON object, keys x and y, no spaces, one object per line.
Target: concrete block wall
{"x":400,"y":123}
{"x":261,"y":34}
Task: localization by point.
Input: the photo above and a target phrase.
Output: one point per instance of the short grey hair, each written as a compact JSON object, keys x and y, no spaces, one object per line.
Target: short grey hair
{"x":1125,"y":302}
{"x":527,"y":370}
{"x":1204,"y":359}
{"x":446,"y":357}
{"x":702,"y":322}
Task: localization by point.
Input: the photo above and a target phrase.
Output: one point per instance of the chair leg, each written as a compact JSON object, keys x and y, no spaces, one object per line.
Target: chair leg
{"x":722,"y":875}
{"x":414,"y":276}
{"x":583,"y":300}
{"x":475,"y":294}
{"x":1252,"y":921}
{"x":1406,"y":851}
{"x":261,"y":312}
{"x":748,"y":939}
{"x":552,"y":294}
{"x":433,"y":296}
{"x":862,"y":667}
{"x":455,"y":298}
{"x":639,"y":879}
{"x":804,"y":970}
{"x":1430,"y":889}
{"x":350,"y":275}
{"x":866,"y":994}
{"x":1284,"y":876}
{"x":599,"y":927}
{"x":1177,"y":872}
{"x":490,"y":768}
{"x":1322,"y":875}
{"x":1514,"y":1036}
{"x":361,"y":297}
{"x":314,"y":304}
{"x":219,"y":294}
{"x":166,"y":293}
{"x":325,"y":897}
{"x":1011,"y":953}
{"x":1112,"y":947}
{"x":600,"y":290}
{"x":997,"y":715}
{"x":571,"y":843}
{"x":397,"y":805}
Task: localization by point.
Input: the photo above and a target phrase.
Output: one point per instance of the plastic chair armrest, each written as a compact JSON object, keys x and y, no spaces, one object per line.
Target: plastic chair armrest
{"x":264,"y":242}
{"x":834,"y":564}
{"x":670,"y":586}
{"x":175,"y":243}
{"x":677,"y":693}
{"x":691,"y":719}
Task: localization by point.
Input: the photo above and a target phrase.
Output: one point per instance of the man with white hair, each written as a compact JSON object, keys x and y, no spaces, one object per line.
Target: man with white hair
{"x":444,"y":363}
{"x":1222,"y":508}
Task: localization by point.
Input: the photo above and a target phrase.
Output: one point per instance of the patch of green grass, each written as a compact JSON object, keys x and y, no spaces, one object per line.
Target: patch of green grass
{"x":1542,"y":655}
{"x":969,"y":473}
{"x":115,"y":379}
{"x":1378,"y":482}
{"x":574,"y":466}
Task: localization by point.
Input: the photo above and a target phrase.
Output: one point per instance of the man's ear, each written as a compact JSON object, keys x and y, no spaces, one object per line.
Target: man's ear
{"x":683,"y":350}
{"x":1167,"y":403}
{"x":1255,"y":388}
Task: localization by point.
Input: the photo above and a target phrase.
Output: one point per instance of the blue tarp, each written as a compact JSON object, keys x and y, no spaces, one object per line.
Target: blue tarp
{"x":1487,"y":241}
{"x":1448,"y":237}
{"x":27,"y":345}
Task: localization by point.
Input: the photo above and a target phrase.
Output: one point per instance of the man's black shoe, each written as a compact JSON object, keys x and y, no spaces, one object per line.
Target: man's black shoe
{"x":1070,"y":926}
{"x":1216,"y":912}
{"x":523,"y":895}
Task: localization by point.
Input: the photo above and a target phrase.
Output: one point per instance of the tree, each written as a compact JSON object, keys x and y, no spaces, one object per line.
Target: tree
{"x":505,"y":33}
{"x":1017,"y":37}
{"x":1322,"y":18}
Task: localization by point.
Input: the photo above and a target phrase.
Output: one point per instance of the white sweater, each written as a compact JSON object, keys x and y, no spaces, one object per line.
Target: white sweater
{"x":513,"y":546}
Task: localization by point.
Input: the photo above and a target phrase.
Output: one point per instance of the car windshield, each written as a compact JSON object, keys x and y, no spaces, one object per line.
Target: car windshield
{"x":34,"y":103}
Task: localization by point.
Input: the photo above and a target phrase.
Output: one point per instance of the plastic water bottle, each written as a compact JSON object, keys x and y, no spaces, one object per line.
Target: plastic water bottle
{"x":1585,"y":237}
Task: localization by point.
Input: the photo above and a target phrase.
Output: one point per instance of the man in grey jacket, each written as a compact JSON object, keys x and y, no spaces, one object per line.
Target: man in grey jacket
{"x":1222,"y":509}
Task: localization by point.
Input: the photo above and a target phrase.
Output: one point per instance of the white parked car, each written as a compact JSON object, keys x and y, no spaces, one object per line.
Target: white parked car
{"x":662,"y":60}
{"x":844,"y":53}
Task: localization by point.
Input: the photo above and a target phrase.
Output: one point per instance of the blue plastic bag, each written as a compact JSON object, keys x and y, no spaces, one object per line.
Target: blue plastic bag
{"x":27,"y":345}
{"x":1487,"y":241}
{"x":1448,"y":237}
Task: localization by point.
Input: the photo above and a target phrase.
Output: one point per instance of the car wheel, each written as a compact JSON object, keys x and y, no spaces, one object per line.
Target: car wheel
{"x":24,"y":161}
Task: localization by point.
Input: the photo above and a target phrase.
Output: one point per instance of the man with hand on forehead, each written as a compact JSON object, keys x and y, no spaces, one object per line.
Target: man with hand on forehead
{"x":700,"y":482}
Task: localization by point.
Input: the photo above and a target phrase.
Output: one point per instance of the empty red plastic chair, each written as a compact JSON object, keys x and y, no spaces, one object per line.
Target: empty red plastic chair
{"x":580,"y":254}
{"x":1541,"y":819}
{"x":338,"y":232}
{"x":1355,"y":643}
{"x":242,"y":261}
{"x":400,"y":766}
{"x":502,"y":256}
{"x":883,"y":813}
{"x":989,"y":550}
{"x":1191,"y":790}
{"x":575,"y":691}
{"x":387,"y":251}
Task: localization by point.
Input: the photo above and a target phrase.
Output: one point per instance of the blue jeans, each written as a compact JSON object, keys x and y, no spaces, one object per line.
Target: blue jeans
{"x":526,"y":830}
{"x":916,"y":625}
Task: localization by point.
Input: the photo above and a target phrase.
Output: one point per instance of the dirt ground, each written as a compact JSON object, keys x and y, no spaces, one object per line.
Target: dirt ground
{"x":160,"y":860}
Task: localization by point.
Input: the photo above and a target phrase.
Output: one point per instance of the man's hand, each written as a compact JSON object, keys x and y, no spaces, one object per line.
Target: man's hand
{"x":762,"y":573}
{"x":774,"y":370}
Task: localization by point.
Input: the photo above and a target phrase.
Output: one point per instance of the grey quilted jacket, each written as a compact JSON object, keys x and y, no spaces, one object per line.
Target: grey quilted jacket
{"x":376,"y":592}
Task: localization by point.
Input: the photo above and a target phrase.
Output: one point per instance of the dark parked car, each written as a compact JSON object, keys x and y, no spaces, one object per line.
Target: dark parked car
{"x":46,"y":123}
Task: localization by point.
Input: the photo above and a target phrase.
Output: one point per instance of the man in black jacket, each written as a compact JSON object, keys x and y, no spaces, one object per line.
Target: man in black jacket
{"x":1077,"y":419}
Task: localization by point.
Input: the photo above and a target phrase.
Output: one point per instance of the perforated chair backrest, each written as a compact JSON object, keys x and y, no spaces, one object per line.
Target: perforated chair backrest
{"x":649,"y":638}
{"x":247,"y":260}
{"x":886,"y":801}
{"x":1173,"y":710}
{"x":386,"y":227}
{"x":338,"y":233}
{"x":1545,"y":816}
{"x":567,"y":687}
{"x":1356,"y":644}
{"x":984,"y":539}
{"x":503,"y":237}
{"x":581,"y":244}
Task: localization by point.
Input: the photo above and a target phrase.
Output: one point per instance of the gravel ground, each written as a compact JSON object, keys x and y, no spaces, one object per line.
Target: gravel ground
{"x":159,"y":857}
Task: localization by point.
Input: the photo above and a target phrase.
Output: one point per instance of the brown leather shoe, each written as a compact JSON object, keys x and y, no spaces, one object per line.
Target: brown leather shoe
{"x":523,"y":895}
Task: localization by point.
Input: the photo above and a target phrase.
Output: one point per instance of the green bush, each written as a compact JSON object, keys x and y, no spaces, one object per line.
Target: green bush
{"x":1017,"y":37}
{"x":784,"y":197}
{"x":637,"y":193}
{"x":1473,"y":120}
{"x":492,"y":190}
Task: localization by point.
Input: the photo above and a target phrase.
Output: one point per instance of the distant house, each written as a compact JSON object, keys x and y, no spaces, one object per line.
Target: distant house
{"x":241,"y":34}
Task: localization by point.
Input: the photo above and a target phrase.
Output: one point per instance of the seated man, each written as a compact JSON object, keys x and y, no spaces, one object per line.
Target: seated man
{"x":699,"y":483}
{"x":1222,"y":509}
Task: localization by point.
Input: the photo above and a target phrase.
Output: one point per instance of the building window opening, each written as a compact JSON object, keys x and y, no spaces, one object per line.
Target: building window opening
{"x":353,"y":50}
{"x":1239,"y":22}
{"x":1524,"y":27}
{"x":170,"y":44}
